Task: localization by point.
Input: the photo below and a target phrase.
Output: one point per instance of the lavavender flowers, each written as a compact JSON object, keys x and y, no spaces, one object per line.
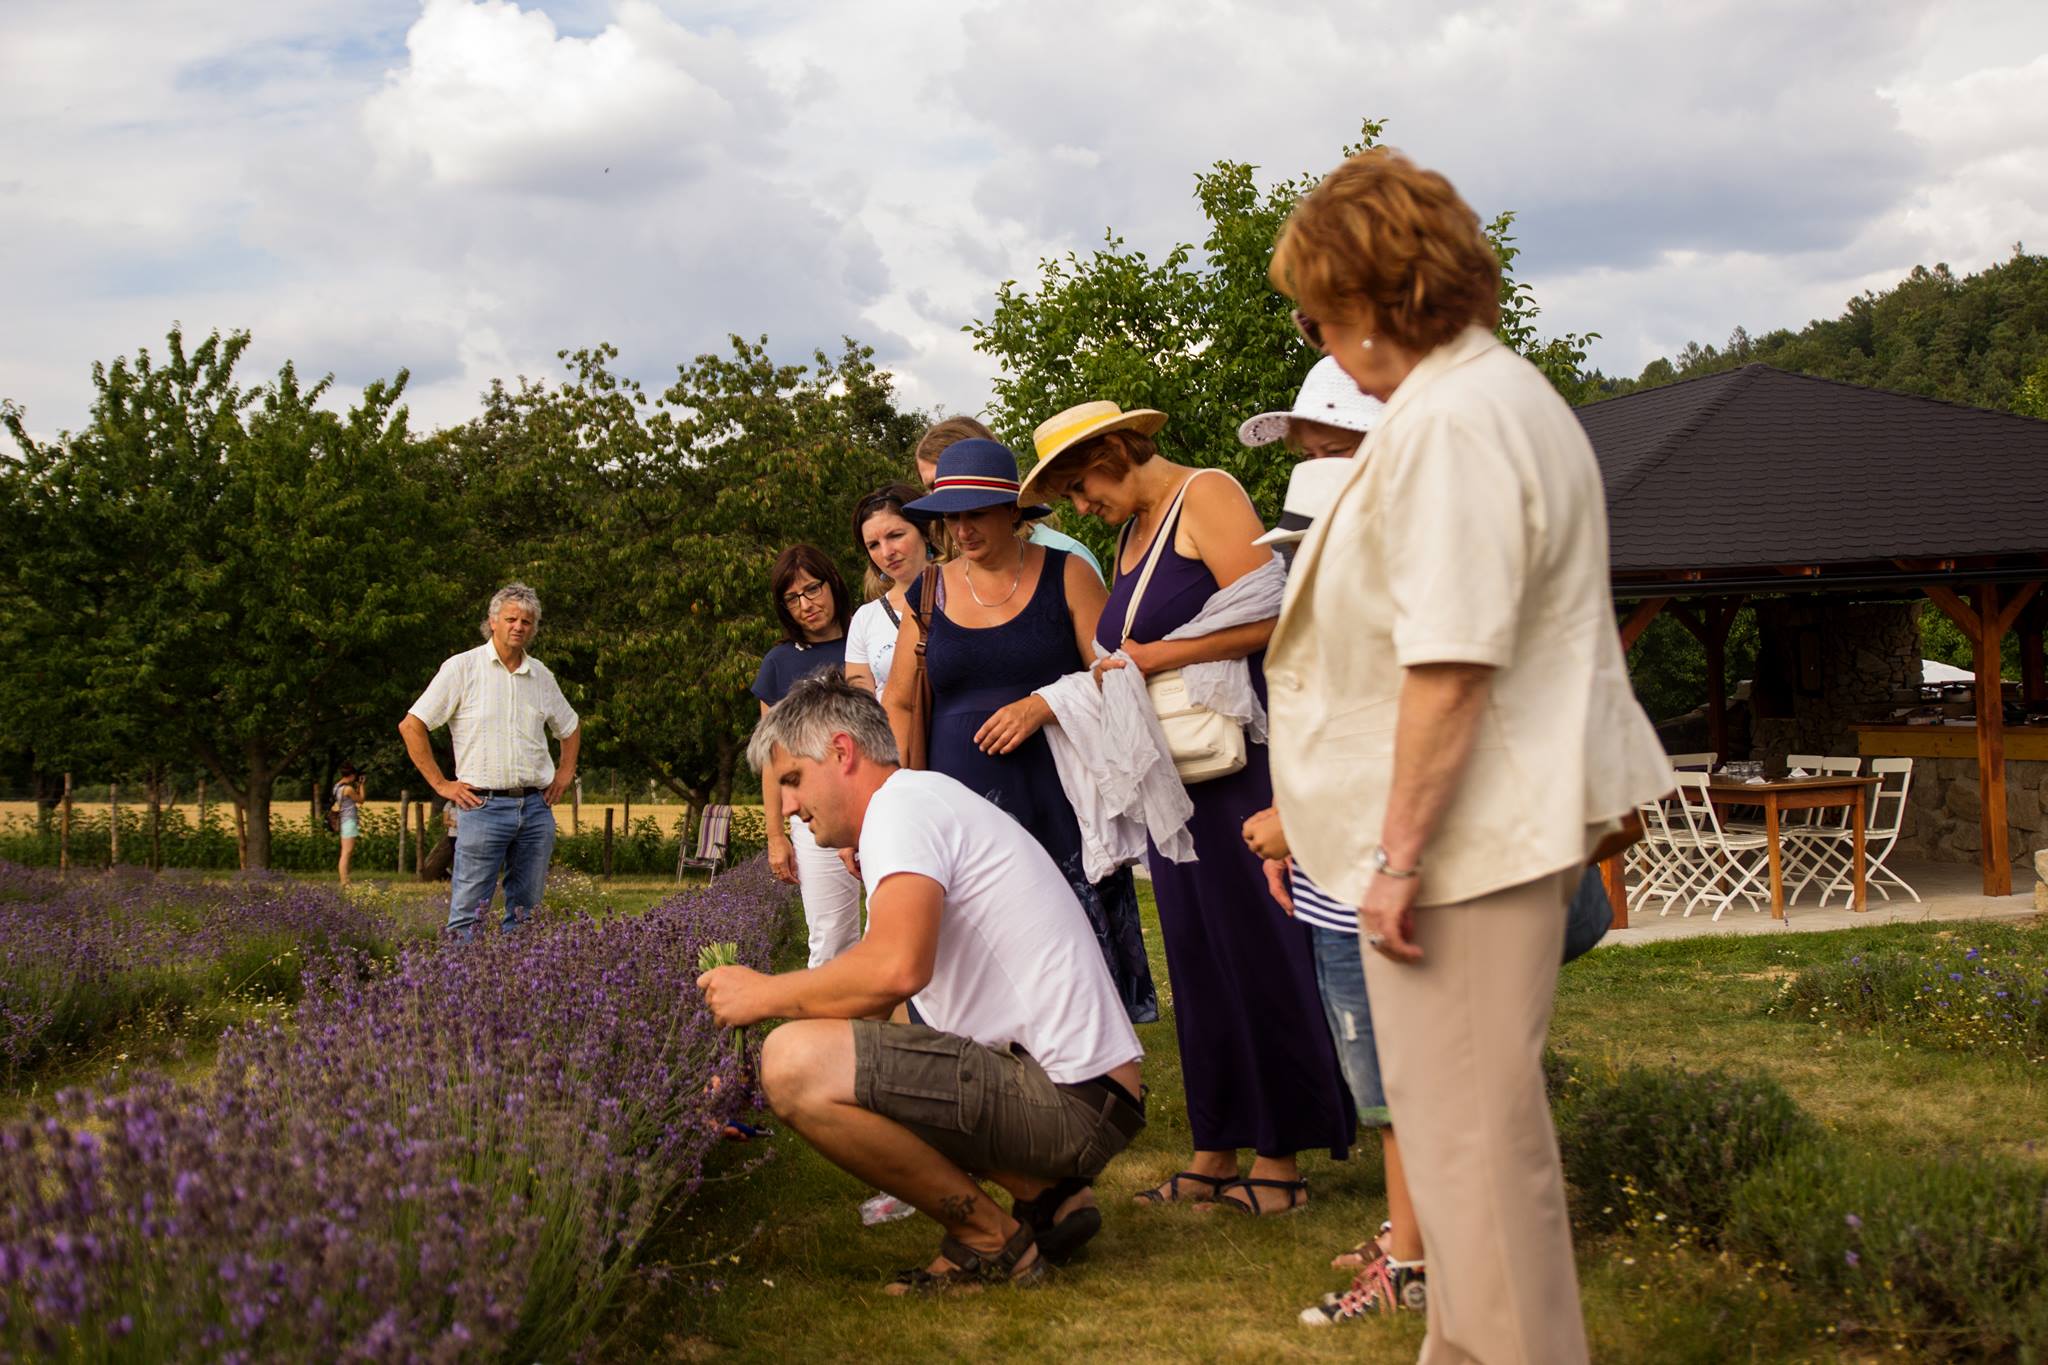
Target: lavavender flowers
{"x":454,"y":1156}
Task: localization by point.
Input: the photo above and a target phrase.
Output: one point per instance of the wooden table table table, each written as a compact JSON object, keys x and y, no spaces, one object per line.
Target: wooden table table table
{"x":1801,"y":793}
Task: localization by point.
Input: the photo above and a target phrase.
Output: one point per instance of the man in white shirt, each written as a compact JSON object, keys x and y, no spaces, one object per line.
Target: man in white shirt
{"x":499,"y":704}
{"x":1025,"y":1071}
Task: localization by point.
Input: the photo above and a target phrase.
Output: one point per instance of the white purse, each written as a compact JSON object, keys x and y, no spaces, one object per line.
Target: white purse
{"x":1204,"y":744}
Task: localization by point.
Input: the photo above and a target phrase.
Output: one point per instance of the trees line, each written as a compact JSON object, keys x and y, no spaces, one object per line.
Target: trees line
{"x":235,"y":580}
{"x":1979,"y":339}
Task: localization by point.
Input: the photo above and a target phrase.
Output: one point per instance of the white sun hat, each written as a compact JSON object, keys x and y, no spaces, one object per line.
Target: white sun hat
{"x":1328,"y":396}
{"x":1311,"y":489}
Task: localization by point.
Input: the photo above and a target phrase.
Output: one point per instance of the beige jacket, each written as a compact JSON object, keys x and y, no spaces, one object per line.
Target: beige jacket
{"x":1472,"y":530}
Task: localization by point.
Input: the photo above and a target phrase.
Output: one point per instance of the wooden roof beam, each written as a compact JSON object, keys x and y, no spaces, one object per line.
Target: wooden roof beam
{"x":1952,"y":606}
{"x":2009,"y":611}
{"x":1639,"y":621}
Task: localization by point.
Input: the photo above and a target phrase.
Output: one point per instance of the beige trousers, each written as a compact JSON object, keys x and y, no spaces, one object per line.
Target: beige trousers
{"x":1461,"y":1053}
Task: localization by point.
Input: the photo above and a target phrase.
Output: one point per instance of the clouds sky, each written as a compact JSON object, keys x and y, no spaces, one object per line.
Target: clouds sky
{"x":463,"y":187}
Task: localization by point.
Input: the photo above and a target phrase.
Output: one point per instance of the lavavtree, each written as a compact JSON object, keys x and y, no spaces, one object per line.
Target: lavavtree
{"x":668,"y":513}
{"x":1199,"y":334}
{"x":234,"y":575}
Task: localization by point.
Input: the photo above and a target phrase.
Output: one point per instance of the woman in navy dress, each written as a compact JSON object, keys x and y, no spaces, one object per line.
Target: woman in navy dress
{"x":1260,"y":1070}
{"x":1011,"y":617}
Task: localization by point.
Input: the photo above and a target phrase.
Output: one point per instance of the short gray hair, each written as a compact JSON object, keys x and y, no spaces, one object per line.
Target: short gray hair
{"x":519,"y":595}
{"x":817,"y":708}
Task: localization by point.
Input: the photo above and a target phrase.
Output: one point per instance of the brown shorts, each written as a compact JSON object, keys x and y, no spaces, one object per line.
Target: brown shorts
{"x":983,"y":1110}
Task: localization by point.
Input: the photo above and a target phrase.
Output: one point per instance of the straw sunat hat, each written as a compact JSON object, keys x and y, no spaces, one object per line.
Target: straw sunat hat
{"x":1327,"y":396}
{"x":1311,"y":491}
{"x":1059,"y":434}
{"x":973,"y":474}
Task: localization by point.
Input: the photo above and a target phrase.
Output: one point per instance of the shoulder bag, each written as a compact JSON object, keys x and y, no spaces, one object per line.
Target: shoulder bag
{"x":1204,"y":744}
{"x":918,"y":753}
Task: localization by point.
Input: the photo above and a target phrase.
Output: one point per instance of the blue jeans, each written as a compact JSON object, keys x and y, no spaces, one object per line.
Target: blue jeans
{"x":1340,"y":977}
{"x":512,"y":834}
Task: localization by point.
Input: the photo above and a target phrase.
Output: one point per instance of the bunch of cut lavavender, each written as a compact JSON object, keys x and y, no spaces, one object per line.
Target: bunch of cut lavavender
{"x":714,"y":955}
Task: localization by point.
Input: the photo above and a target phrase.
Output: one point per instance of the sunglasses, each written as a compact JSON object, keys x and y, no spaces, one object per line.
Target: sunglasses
{"x":1311,"y":330}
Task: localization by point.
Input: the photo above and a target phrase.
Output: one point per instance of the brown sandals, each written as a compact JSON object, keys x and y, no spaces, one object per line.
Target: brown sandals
{"x":975,"y":1270}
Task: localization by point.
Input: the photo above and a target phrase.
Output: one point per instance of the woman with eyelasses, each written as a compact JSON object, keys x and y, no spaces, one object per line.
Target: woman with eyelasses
{"x":811,"y":605}
{"x":897,"y":550}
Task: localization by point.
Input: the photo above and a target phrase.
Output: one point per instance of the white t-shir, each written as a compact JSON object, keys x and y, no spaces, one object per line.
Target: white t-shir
{"x":498,"y":718}
{"x":1017,"y":961}
{"x":871,"y":641}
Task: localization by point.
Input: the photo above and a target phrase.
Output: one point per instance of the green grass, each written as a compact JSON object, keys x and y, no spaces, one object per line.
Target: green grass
{"x":1709,"y":1001}
{"x":768,"y":1261}
{"x":773,"y":1264}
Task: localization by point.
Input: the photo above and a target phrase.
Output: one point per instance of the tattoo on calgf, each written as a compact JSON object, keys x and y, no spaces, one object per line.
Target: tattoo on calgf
{"x":956,"y":1208}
